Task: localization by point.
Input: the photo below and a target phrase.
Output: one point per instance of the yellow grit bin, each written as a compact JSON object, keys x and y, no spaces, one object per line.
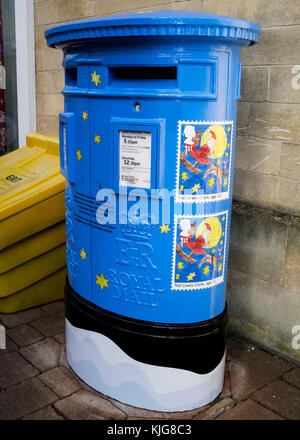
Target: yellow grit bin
{"x":34,"y":270}
{"x":44,"y":291}
{"x":32,"y":247}
{"x":31,"y":189}
{"x":32,"y":227}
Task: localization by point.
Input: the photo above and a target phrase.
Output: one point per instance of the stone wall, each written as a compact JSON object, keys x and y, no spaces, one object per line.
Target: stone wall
{"x":264,"y":281}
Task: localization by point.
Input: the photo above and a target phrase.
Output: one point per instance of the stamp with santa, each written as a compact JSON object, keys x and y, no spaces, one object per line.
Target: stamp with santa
{"x":204,"y":161}
{"x":199,"y":251}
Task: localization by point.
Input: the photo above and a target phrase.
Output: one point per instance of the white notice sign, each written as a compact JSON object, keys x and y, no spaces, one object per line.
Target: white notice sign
{"x":135,"y":159}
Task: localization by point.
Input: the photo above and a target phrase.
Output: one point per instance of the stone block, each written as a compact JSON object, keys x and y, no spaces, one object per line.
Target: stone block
{"x":282,"y":12}
{"x":292,"y":280}
{"x":75,"y":9}
{"x":257,"y":155}
{"x":256,"y":188}
{"x":254,"y":83}
{"x":49,"y":104}
{"x":284,"y":84}
{"x":274,"y":121}
{"x":106,"y":7}
{"x":45,"y":12}
{"x":242,"y":117}
{"x":50,"y":82}
{"x":290,"y":161}
{"x":257,"y":247}
{"x":39,"y":35}
{"x":186,"y":5}
{"x":48,"y":125}
{"x":289,"y":195}
{"x":48,"y":59}
{"x":276,"y":47}
{"x":263,"y":312}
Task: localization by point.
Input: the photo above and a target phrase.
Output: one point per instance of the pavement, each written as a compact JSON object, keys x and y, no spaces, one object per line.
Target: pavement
{"x":36,"y":382}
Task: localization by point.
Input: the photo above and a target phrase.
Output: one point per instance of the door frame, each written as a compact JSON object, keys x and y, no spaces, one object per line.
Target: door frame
{"x":25,"y":62}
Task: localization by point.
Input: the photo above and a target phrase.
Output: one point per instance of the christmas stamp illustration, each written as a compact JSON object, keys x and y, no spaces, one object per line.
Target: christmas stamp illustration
{"x":204,"y":161}
{"x":199,"y":251}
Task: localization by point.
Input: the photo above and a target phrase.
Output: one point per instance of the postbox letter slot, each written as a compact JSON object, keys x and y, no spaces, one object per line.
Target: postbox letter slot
{"x":144,"y":76}
{"x":71,"y":76}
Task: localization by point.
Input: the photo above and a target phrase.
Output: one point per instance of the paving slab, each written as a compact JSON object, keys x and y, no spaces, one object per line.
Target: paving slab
{"x":14,"y":369}
{"x":60,"y":338}
{"x":293,"y":377}
{"x":50,"y":325}
{"x":226,"y":391}
{"x":281,"y":398}
{"x":55,"y":307}
{"x":24,"y":399}
{"x":249,"y":410}
{"x":141,"y":413}
{"x":63,"y":357}
{"x":62,"y":381}
{"x":252,"y":370}
{"x":24,"y":335}
{"x":43,"y":355}
{"x":38,"y":384}
{"x":88,"y":406}
{"x":216,"y":409}
{"x":235,"y":349}
{"x":15,"y":319}
{"x":44,"y":414}
{"x":10,"y":346}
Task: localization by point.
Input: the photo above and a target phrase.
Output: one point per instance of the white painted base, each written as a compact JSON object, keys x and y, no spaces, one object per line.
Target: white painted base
{"x":99,"y":362}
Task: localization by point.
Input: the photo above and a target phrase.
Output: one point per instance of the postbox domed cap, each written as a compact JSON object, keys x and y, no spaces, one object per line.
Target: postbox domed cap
{"x":159,"y":23}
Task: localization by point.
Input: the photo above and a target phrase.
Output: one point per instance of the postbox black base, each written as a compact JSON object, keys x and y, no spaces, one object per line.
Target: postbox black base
{"x":197,"y":347}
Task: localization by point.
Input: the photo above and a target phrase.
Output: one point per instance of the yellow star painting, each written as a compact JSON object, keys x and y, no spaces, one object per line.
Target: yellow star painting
{"x":101,"y":281}
{"x":165,"y":229}
{"x":96,"y":78}
{"x":83,"y":254}
{"x":79,"y":155}
{"x":191,"y":276}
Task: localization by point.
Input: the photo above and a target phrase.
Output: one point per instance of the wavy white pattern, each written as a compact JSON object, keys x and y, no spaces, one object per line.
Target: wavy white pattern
{"x":104,"y":366}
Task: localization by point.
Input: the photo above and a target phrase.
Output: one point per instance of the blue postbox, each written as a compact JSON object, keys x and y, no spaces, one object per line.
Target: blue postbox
{"x":147,"y":148}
